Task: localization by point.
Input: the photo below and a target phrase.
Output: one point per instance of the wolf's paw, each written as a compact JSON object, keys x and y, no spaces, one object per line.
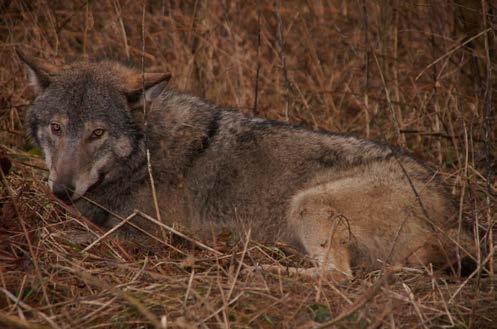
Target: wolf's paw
{"x":312,"y":272}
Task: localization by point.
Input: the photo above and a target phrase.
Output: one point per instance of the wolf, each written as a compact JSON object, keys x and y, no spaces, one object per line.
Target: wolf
{"x":347,"y":202}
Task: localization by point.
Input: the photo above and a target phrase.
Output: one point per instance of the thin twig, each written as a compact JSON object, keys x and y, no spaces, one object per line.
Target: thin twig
{"x":281,"y":43}
{"x":10,"y":321}
{"x":450,"y":52}
{"x":145,"y":123}
{"x":34,"y":259}
{"x":112,"y":230}
{"x":475,"y":272}
{"x":240,"y":263}
{"x":128,"y":297}
{"x":361,"y":301}
{"x":389,"y":102}
{"x":27,"y":307}
{"x":487,"y":115}
{"x":256,"y":91}
{"x":178,"y":233}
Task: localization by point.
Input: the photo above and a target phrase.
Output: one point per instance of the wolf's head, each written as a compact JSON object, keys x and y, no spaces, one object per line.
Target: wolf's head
{"x":81,"y":119}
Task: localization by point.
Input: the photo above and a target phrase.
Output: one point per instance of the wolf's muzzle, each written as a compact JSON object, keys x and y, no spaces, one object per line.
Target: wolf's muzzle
{"x":63,"y":191}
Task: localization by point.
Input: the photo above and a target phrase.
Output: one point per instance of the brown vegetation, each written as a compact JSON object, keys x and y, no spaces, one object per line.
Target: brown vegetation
{"x":419,"y":76}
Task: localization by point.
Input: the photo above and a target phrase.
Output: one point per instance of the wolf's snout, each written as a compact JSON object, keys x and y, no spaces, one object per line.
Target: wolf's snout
{"x":63,"y":191}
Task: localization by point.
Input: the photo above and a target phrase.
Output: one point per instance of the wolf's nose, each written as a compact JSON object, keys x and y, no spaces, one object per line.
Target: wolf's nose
{"x":63,"y":191}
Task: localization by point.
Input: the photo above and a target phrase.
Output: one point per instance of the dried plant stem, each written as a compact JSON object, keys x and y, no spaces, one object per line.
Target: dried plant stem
{"x":453,"y":50}
{"x":128,"y":297}
{"x":366,"y":68}
{"x":14,"y":322}
{"x":112,"y":230}
{"x":172,"y":230}
{"x":34,"y":258}
{"x":281,"y":46}
{"x":240,"y":263}
{"x":487,"y":109}
{"x":390,"y":105}
{"x":145,"y":124}
{"x":27,"y":308}
{"x":258,"y":69}
{"x":475,"y":272}
{"x":308,"y":62}
{"x":361,"y":301}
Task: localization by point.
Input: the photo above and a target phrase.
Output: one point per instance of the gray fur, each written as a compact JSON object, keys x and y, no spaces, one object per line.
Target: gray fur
{"x":215,"y":167}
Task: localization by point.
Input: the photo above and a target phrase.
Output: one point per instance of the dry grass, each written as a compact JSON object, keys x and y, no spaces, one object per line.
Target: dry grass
{"x":409,"y":74}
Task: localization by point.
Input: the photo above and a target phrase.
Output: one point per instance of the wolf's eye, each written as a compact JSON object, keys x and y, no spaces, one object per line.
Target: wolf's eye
{"x":97,"y":133}
{"x":56,"y":129}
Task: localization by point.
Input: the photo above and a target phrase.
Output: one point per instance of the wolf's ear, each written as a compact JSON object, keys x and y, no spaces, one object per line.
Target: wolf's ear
{"x":39,"y":71}
{"x":148,"y":86}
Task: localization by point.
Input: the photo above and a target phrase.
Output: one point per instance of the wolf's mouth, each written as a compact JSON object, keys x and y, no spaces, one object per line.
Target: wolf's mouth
{"x":99,"y":181}
{"x":101,"y":178}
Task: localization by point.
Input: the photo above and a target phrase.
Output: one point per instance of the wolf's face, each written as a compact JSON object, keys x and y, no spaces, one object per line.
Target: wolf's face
{"x":82,"y":121}
{"x":82,"y":129}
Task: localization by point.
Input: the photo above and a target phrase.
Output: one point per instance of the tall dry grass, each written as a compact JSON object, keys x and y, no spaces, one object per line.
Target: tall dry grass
{"x":417,"y":75}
